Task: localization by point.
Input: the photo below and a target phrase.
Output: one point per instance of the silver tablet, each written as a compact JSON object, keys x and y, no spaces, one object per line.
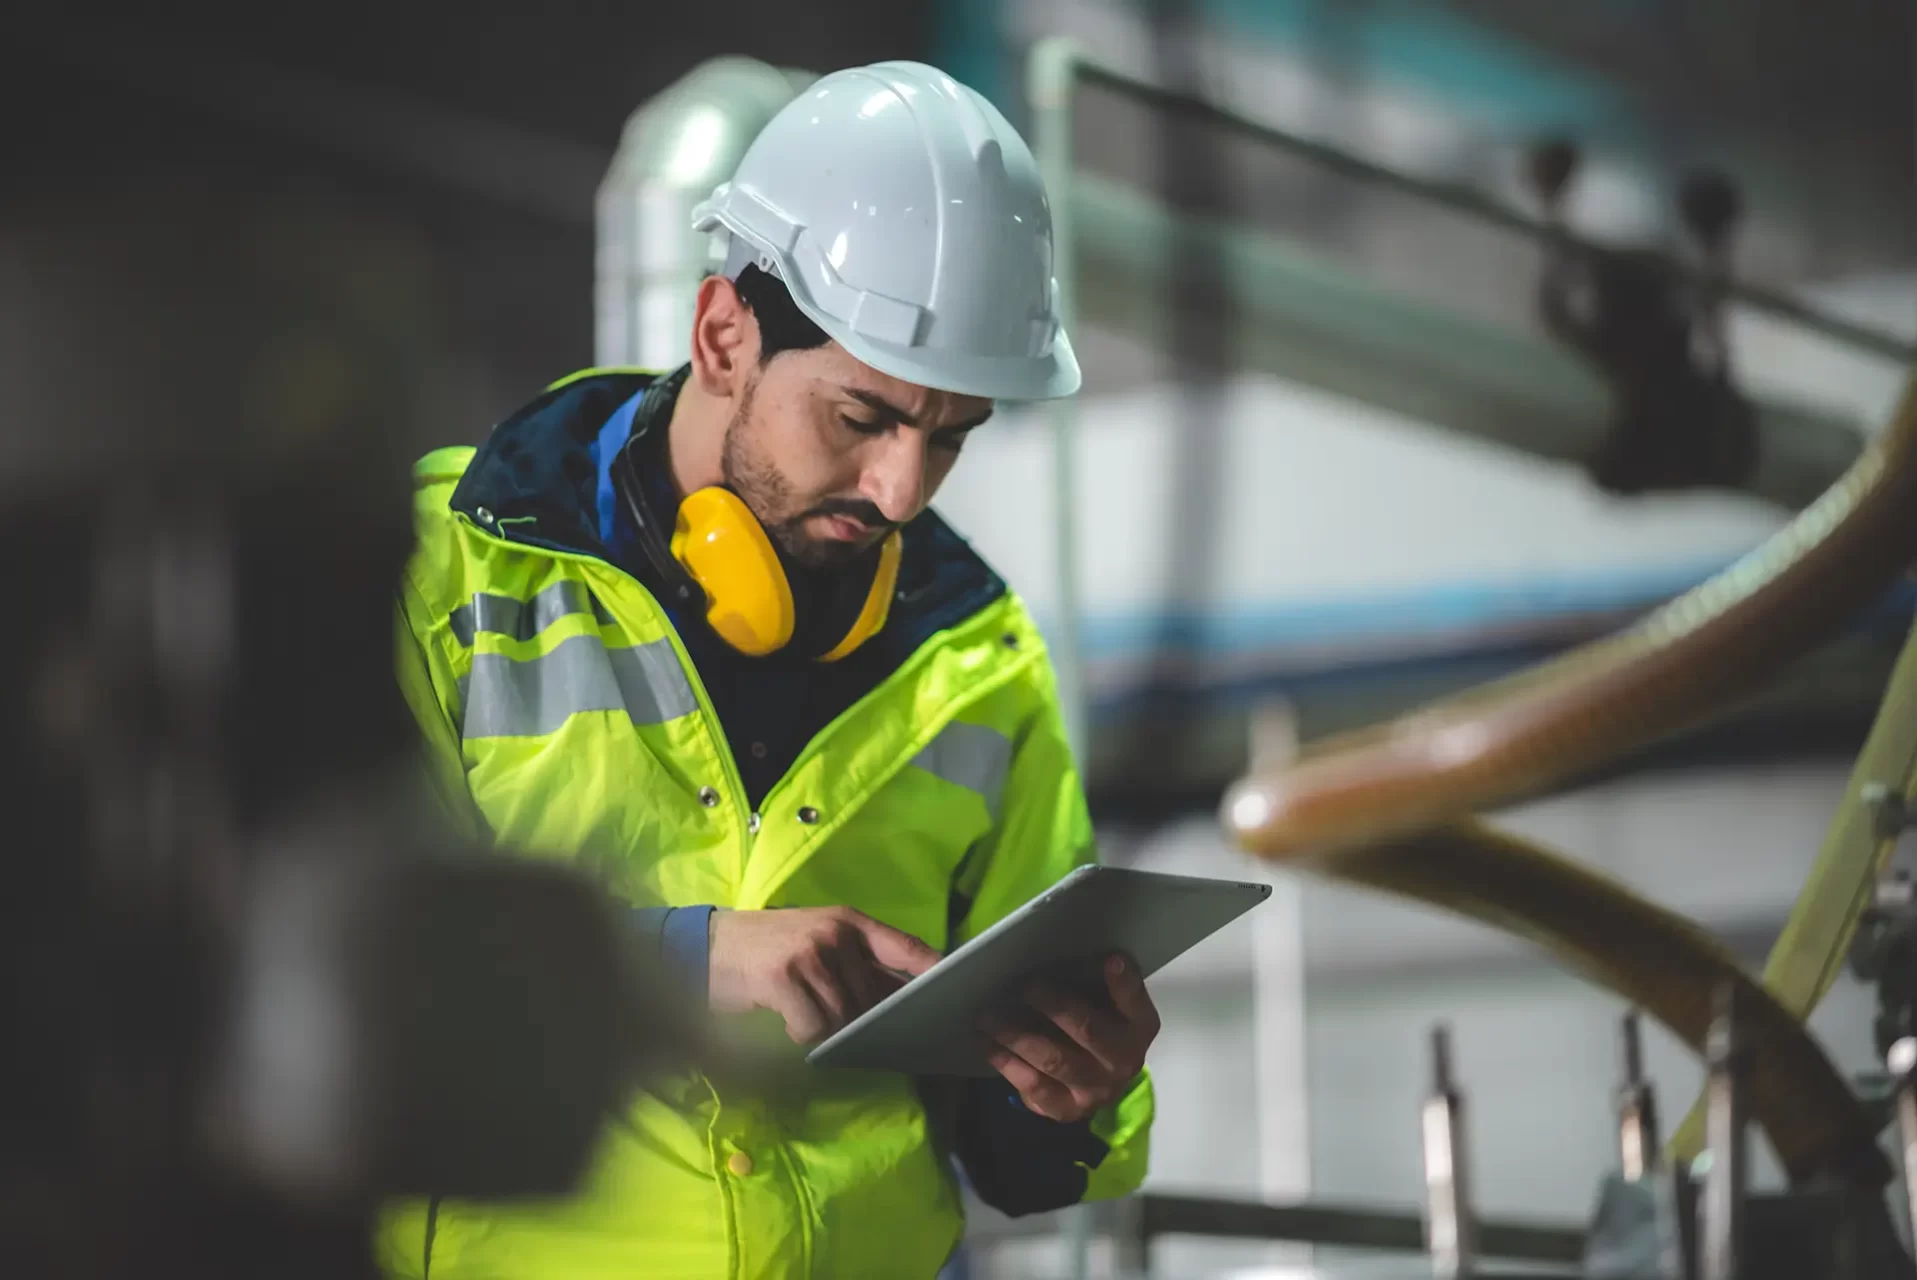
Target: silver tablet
{"x":929,"y":1026}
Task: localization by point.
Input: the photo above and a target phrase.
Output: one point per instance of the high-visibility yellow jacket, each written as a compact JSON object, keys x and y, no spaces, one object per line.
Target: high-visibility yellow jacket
{"x":562,"y":714}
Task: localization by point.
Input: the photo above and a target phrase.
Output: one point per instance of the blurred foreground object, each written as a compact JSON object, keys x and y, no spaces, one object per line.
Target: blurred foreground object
{"x":251,"y":989}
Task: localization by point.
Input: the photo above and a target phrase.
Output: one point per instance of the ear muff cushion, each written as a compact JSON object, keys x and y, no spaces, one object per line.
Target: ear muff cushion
{"x":722,"y":545}
{"x":877,"y":601}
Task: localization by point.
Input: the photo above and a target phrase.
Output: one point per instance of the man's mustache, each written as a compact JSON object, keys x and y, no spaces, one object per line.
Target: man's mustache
{"x":866,"y":513}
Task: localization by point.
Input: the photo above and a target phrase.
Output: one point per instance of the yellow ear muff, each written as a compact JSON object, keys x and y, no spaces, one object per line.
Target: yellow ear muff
{"x":722,"y":545}
{"x":878,"y":601}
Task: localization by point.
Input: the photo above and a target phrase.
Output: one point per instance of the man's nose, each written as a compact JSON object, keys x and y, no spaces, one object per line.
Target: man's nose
{"x":894,"y":479}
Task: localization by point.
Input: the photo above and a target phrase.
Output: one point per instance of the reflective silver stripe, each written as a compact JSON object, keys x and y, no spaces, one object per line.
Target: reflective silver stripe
{"x":522,"y":619}
{"x":973,"y":757}
{"x":652,"y":684}
{"x":505,"y":698}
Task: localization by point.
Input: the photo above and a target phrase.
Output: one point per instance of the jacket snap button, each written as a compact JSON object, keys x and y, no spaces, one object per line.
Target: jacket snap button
{"x":485,"y":516}
{"x":739,"y":1164}
{"x":752,"y":825}
{"x":808,"y":815}
{"x":708,"y":796}
{"x":1010,"y":640}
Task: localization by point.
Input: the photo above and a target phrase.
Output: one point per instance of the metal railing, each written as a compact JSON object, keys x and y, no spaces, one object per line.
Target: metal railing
{"x":1135,"y":1223}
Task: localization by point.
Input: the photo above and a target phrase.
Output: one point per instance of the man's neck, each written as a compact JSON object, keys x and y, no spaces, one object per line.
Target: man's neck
{"x":695,"y":439}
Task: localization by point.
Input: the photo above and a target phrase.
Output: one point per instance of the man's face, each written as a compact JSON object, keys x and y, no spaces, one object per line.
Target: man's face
{"x":832,"y":455}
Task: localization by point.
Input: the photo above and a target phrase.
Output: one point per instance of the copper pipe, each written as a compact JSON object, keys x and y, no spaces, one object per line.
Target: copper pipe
{"x":1655,"y":958}
{"x":1693,"y":656}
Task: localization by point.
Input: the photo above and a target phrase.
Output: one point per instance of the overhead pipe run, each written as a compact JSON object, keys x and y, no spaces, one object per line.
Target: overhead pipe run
{"x":1307,"y":321}
{"x":1059,"y":65}
{"x":1311,"y":322}
{"x":1314,"y":323}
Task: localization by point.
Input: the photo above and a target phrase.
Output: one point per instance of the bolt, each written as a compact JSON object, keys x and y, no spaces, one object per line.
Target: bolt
{"x":1890,"y":812}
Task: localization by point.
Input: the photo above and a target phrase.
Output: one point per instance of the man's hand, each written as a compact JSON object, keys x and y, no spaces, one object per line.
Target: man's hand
{"x":1087,"y":1056}
{"x":817,"y":967}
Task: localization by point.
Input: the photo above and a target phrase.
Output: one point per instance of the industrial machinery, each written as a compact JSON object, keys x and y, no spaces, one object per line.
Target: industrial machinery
{"x":1389,"y":807}
{"x":217,"y":865}
{"x":1386,"y":808}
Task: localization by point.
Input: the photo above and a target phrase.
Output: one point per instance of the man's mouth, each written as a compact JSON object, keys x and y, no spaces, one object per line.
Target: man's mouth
{"x":846,"y":528}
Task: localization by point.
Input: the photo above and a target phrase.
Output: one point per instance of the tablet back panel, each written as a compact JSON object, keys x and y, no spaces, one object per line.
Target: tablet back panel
{"x":927,"y":1026}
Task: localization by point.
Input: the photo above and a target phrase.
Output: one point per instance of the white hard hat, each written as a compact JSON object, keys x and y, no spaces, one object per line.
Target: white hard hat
{"x":907,"y":219}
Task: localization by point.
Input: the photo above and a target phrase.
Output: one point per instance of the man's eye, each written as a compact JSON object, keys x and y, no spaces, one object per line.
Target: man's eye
{"x":862,"y":427}
{"x":951,"y":442}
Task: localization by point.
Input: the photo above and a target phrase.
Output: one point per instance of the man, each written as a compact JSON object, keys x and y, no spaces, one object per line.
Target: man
{"x":700,"y":632}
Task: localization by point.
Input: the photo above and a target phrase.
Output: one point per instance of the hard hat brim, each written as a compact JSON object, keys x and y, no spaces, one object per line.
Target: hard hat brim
{"x":1052,"y":376}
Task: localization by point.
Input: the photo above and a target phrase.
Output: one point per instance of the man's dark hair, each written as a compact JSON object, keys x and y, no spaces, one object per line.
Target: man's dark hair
{"x":782,"y":326}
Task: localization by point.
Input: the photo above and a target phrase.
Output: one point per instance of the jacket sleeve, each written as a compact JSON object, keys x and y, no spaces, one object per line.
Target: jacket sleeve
{"x":430,"y":688}
{"x":1017,"y":1161}
{"x":676,"y":937}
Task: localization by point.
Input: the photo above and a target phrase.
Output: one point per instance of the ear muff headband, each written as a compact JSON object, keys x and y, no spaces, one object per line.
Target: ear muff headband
{"x":878,"y":600}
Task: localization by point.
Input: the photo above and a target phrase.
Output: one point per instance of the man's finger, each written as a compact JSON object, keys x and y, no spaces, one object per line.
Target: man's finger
{"x":895,"y":949}
{"x":805,"y":1022}
{"x":1129,"y":997}
{"x":864,"y":984}
{"x":1041,"y":1094}
{"x":1098,"y":1033}
{"x":1050,"y":1053}
{"x":820,"y":977}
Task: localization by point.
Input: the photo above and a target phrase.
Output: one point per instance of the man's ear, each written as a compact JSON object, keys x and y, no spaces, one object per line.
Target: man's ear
{"x":725,"y":338}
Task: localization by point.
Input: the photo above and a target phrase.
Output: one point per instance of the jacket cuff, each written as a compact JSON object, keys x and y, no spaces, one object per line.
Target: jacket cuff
{"x":1018,"y":1161}
{"x":677,"y":940}
{"x":685,"y":945}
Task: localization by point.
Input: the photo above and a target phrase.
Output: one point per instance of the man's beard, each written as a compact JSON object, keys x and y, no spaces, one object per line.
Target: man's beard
{"x":753,"y":477}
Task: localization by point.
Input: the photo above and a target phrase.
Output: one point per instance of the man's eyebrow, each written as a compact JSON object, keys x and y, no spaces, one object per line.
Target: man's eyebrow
{"x":885,"y":408}
{"x":966,"y":425}
{"x":880,"y":405}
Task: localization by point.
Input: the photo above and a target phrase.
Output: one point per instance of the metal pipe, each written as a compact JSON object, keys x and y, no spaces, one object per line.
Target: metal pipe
{"x":1050,"y":75}
{"x":1459,"y":199}
{"x":1049,"y":87}
{"x":1637,"y":1108}
{"x":1348,"y":1226}
{"x":1678,"y":1256}
{"x":1727,"y":1180}
{"x":1320,"y":324}
{"x":674,"y":150}
{"x":1450,"y":1227}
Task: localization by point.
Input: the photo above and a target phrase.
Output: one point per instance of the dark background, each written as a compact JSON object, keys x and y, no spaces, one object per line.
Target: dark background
{"x":292,"y":217}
